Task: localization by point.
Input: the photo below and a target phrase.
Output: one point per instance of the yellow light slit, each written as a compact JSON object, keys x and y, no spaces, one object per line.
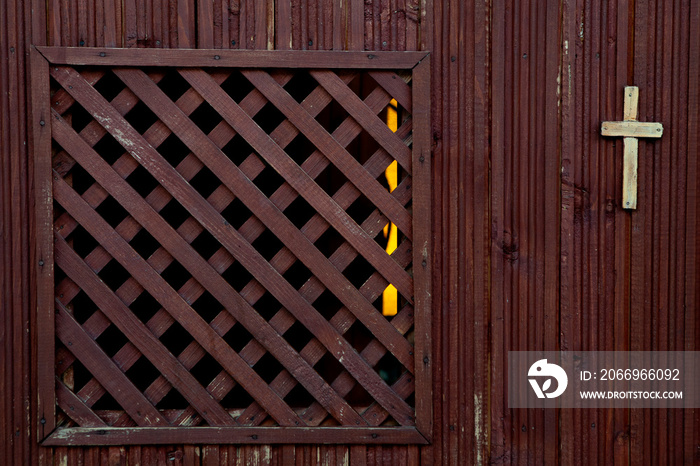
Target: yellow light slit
{"x":390,"y":296}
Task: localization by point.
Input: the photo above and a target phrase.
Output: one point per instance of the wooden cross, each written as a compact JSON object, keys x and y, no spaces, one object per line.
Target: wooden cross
{"x":630,"y":129}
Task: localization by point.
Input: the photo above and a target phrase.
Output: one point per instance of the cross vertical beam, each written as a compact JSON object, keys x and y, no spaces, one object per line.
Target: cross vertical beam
{"x":630,"y":129}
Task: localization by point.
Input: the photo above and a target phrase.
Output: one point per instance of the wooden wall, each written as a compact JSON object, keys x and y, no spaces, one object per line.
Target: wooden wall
{"x":532,"y":248}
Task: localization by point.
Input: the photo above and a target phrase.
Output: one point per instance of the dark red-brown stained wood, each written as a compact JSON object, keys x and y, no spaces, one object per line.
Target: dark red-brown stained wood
{"x":626,"y":280}
{"x":594,"y":286}
{"x":253,"y":436}
{"x":43,"y":254}
{"x":89,"y":23}
{"x":206,"y":335}
{"x":691,"y":421}
{"x":230,"y":58}
{"x":74,"y":89}
{"x":16,"y":278}
{"x":422,"y":251}
{"x":265,"y":210}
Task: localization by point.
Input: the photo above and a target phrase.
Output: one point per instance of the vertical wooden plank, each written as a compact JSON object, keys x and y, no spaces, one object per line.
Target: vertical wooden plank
{"x":210,"y":455}
{"x":467,"y":425}
{"x":283,"y":26}
{"x":552,"y":172}
{"x":640,"y":236}
{"x":110,"y":24}
{"x":247,"y":18}
{"x":35,"y":32}
{"x":356,"y":28}
{"x":287,"y":455}
{"x":517,"y":197}
{"x":5,"y":258}
{"x":679,"y":244}
{"x":664,"y":110}
{"x":338,"y":26}
{"x":16,"y":34}
{"x":500,"y":419}
{"x":130,"y":27}
{"x":191,"y":455}
{"x":82,"y":24}
{"x":312,"y":36}
{"x":91,"y":456}
{"x":301,"y":29}
{"x":74,"y":23}
{"x":618,"y":446}
{"x":691,"y":418}
{"x":159,"y":27}
{"x":326,"y":23}
{"x":427,"y":453}
{"x":147,"y":24}
{"x":260,"y":34}
{"x":534,"y":59}
{"x":452,"y":312}
{"x":358,"y":455}
{"x":65,"y":28}
{"x":54,"y":22}
{"x":384,"y":26}
{"x":270,"y":27}
{"x":567,"y":252}
{"x":117,"y":24}
{"x":205,"y":24}
{"x":412,"y":19}
{"x":43,"y":231}
{"x":478,"y":142}
{"x":186,"y":24}
{"x":422,"y":247}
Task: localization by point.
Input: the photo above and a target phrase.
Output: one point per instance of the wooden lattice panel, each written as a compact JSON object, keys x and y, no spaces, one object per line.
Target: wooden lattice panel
{"x":212,"y":246}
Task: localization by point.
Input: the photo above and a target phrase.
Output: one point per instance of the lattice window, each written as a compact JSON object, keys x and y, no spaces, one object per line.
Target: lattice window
{"x":211,"y":249}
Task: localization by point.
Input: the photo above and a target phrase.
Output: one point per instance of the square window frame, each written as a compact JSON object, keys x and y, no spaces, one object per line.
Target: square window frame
{"x":43,"y":328}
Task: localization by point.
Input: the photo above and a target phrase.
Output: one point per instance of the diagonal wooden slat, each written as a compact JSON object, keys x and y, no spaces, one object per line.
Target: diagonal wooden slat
{"x":313,"y":351}
{"x":374,"y":342}
{"x":76,"y":408}
{"x":103,"y":369}
{"x":283,"y":329}
{"x":180,"y":310}
{"x":225,"y":330}
{"x":331,"y":148}
{"x":126,"y":353}
{"x":158,"y":132}
{"x":129,"y":354}
{"x":343,"y":383}
{"x":304,"y":184}
{"x":344,"y":319}
{"x":264,"y":209}
{"x":101,"y":171}
{"x":364,"y":116}
{"x":395,"y":86}
{"x":222,"y":134}
{"x":284,"y":134}
{"x":133,"y":329}
{"x":146,"y":155}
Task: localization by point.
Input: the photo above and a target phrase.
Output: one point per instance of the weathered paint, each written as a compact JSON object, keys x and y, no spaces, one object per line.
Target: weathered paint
{"x":532,"y":248}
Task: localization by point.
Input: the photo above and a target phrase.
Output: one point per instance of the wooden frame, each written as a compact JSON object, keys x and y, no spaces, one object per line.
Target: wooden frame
{"x":417,"y":63}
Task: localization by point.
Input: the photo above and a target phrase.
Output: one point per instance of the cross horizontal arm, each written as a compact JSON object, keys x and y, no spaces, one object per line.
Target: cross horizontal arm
{"x":634,"y":129}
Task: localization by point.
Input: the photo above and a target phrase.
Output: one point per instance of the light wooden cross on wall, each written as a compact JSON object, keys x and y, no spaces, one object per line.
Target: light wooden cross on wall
{"x":630,"y":129}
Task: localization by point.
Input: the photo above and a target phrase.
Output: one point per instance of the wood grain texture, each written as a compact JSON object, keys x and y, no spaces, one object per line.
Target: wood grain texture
{"x":608,"y":299}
